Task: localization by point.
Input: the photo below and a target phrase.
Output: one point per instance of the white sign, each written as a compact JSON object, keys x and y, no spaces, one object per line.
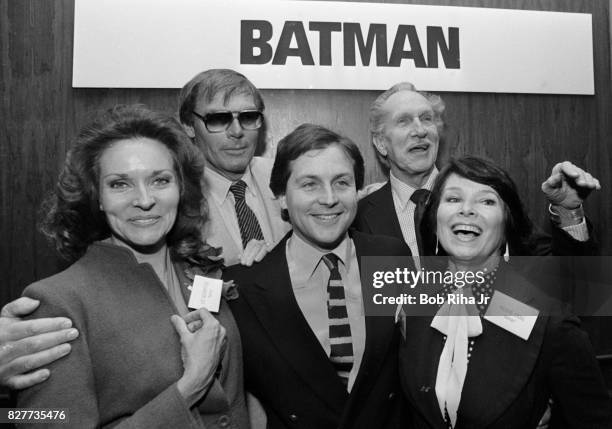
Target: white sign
{"x":332,"y":45}
{"x":206,"y":292}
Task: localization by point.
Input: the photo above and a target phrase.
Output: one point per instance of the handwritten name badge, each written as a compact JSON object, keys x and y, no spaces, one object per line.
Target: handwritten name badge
{"x":511,"y":315}
{"x":205,"y":292}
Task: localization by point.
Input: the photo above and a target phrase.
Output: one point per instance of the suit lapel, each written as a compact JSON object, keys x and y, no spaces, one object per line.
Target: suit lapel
{"x":497,"y":353}
{"x":272,"y":300}
{"x":381,"y":216}
{"x":504,"y":354}
{"x":379,"y":330}
{"x":419,"y":360}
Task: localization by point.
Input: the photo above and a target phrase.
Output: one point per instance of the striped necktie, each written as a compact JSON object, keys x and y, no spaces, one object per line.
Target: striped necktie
{"x":249,"y":227}
{"x":340,"y":341}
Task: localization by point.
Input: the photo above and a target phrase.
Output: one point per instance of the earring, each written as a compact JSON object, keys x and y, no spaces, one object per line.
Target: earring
{"x":436,"y":245}
{"x":507,"y":253}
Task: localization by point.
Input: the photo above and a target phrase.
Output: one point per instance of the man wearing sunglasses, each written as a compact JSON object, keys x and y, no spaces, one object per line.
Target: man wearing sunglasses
{"x":222,"y":111}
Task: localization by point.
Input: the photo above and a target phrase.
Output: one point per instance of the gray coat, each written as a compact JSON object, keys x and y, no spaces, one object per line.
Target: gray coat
{"x":125,"y":363}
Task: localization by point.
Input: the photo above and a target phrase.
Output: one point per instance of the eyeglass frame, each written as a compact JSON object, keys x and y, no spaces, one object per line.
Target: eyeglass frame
{"x":235,"y":115}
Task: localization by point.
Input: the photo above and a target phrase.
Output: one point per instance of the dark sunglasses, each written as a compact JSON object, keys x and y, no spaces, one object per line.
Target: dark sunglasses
{"x":217,"y":122}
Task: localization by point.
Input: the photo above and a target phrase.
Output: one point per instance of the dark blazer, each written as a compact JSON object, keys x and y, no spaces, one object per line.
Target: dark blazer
{"x":287,"y":369}
{"x":509,"y":380}
{"x":376,"y":215}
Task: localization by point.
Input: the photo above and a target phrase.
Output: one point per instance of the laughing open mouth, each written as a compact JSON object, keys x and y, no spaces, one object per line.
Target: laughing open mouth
{"x":466,"y":231}
{"x":421,"y":147}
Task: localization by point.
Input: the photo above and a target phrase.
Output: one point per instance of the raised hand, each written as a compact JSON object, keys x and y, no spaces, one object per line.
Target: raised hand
{"x":568,"y":185}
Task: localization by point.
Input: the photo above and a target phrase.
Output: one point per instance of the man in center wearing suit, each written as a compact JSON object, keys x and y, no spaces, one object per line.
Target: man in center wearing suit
{"x":310,"y":355}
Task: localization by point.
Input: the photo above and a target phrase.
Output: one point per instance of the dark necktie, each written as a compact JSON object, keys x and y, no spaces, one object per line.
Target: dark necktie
{"x":249,"y":227}
{"x":341,"y":354}
{"x":419,"y":197}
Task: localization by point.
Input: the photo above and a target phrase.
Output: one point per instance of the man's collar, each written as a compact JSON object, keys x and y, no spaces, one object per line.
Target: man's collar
{"x":404,"y":191}
{"x":217,"y":186}
{"x":310,"y":257}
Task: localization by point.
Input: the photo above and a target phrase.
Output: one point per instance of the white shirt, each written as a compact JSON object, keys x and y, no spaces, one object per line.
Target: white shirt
{"x":222,"y":229}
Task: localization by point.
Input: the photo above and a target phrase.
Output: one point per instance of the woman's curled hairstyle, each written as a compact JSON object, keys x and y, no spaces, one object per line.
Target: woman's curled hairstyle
{"x":72,"y":218}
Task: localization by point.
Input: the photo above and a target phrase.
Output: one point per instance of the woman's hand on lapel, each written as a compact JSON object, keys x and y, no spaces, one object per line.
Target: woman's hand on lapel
{"x":203,"y":344}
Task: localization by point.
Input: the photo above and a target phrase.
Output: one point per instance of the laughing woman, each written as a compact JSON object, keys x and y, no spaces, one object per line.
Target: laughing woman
{"x":462,"y":371}
{"x":127,"y":210}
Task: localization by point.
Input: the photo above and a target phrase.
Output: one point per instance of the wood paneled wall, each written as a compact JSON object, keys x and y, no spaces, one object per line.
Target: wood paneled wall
{"x":40,"y":113}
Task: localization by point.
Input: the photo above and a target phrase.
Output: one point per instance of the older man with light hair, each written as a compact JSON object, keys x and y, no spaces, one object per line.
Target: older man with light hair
{"x":405,"y":129}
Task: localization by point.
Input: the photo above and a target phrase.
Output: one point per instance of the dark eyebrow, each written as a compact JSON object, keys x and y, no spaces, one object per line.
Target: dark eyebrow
{"x":481,"y":192}
{"x":343,"y":175}
{"x":165,"y":170}
{"x":120,"y":176}
{"x":489,"y":191}
{"x":308,"y":176}
{"x":153,"y":173}
{"x":403,"y":115}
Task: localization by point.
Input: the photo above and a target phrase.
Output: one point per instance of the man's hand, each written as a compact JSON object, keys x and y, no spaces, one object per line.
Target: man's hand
{"x":368,"y":189}
{"x":254,"y":252}
{"x":568,"y":186}
{"x":28,"y":345}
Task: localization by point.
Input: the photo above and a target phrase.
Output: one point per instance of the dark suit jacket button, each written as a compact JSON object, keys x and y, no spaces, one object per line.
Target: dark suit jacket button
{"x":293,"y":418}
{"x":391,"y":395}
{"x":223,"y":421}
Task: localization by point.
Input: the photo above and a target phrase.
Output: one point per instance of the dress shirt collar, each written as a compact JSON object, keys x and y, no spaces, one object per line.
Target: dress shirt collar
{"x":217,"y":186}
{"x":403,"y":191}
{"x":304,"y":258}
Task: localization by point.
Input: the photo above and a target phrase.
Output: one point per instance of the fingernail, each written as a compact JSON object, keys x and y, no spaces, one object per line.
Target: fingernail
{"x":65,"y":349}
{"x":72,"y":334}
{"x":67,"y":324}
{"x":45,"y":374}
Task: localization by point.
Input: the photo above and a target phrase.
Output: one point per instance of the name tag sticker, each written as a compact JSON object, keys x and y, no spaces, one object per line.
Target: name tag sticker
{"x":205,"y":292}
{"x":512,"y":315}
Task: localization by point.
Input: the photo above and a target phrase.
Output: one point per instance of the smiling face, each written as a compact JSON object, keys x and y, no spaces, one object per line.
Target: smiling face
{"x":470,"y":222}
{"x":321,"y":196}
{"x":227,"y":152}
{"x":409,"y":140}
{"x":139,"y":192}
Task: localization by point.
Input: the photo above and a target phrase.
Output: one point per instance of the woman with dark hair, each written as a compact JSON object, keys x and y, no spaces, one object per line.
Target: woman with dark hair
{"x":128,"y":211}
{"x":463,"y":370}
{"x":518,"y":228}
